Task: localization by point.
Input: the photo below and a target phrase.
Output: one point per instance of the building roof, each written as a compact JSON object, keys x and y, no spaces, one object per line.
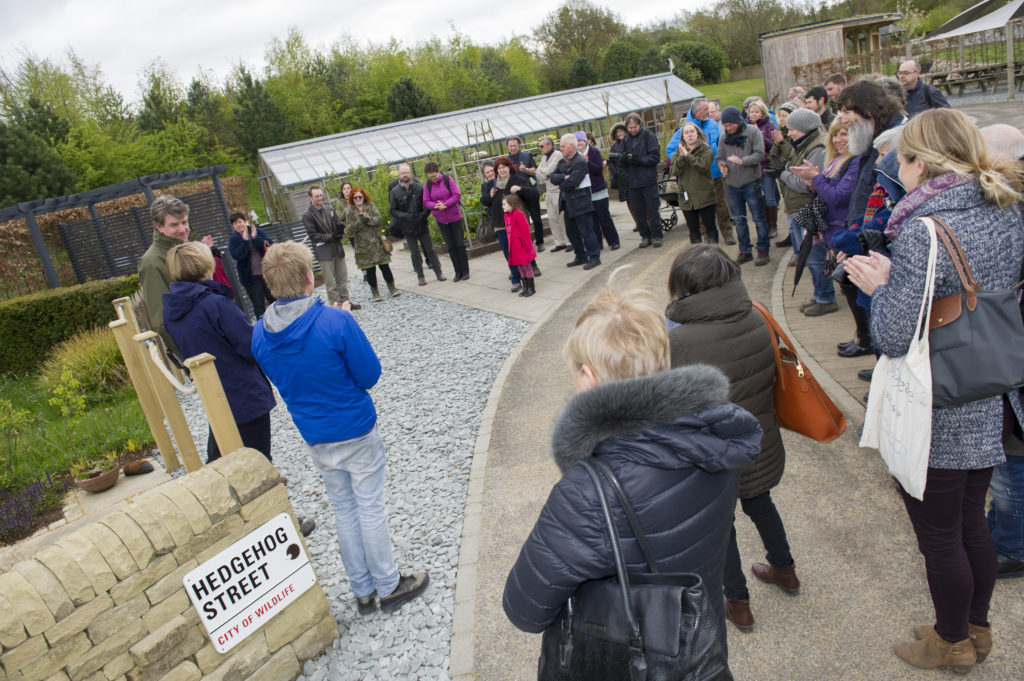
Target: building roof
{"x":310,"y":160}
{"x":851,"y":22}
{"x":984,"y":16}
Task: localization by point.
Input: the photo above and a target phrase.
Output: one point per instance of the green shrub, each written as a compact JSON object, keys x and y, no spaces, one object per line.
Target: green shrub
{"x":31,"y":325}
{"x":92,"y":358}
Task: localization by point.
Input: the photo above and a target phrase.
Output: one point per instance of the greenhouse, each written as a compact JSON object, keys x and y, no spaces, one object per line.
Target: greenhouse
{"x":286,"y":170}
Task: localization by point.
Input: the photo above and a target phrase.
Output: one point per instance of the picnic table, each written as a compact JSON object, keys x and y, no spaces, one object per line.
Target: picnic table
{"x":981,"y":74}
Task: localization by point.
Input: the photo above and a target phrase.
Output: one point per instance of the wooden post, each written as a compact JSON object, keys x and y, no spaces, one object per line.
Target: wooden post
{"x":168,"y":399}
{"x":123,"y":333}
{"x":125,"y":311}
{"x":215,"y":402}
{"x":1011,"y":62}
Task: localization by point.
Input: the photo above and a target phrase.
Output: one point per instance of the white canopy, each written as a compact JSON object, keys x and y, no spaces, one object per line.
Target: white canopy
{"x":980,"y":17}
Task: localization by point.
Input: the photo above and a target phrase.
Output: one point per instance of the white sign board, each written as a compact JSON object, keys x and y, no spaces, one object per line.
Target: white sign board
{"x":241,"y":588}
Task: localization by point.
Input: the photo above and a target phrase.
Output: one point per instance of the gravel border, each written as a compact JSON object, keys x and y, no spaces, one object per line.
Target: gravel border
{"x":439,"y":362}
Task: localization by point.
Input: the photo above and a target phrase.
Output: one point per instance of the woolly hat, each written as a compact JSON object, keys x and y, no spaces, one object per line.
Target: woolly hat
{"x":581,"y":137}
{"x":803,"y":120}
{"x":731,"y":114}
{"x":789,"y":107}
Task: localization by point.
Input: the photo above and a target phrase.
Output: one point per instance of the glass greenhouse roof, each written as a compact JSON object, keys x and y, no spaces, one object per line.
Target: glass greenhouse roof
{"x":310,"y":160}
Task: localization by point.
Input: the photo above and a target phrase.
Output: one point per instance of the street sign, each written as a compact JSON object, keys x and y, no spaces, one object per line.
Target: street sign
{"x":244,"y":586}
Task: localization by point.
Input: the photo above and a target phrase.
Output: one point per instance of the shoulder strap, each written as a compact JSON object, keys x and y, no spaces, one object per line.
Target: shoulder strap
{"x":776,"y":333}
{"x":447,"y":182}
{"x":429,"y":185}
{"x":956,"y":254}
{"x":634,"y":522}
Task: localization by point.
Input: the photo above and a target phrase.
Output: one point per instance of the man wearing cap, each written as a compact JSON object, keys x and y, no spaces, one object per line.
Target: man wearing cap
{"x":740,"y":152}
{"x":808,"y":140}
{"x":522,"y":161}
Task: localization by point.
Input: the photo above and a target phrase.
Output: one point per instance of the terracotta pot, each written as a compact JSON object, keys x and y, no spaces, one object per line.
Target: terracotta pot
{"x":100,"y":481}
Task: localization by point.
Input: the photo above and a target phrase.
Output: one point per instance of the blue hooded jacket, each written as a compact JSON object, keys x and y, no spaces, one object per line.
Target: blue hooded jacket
{"x":322,"y":364}
{"x":200,"y":317}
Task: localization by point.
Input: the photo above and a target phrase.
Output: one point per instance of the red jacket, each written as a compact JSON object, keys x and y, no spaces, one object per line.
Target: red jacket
{"x":520,"y":247}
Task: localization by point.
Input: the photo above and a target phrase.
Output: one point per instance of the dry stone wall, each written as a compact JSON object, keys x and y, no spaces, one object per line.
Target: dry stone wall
{"x":106,"y":602}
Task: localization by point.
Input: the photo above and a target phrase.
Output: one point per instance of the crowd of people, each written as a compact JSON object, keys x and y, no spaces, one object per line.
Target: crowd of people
{"x":677,"y":403}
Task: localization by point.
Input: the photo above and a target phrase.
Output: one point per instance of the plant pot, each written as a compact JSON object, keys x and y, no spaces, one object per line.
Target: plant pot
{"x":98,"y":482}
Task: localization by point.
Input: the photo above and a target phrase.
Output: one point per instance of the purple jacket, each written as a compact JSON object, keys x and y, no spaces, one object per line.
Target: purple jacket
{"x":595,"y":167}
{"x":766,"y":127}
{"x":438,"y":191}
{"x":836,"y":192}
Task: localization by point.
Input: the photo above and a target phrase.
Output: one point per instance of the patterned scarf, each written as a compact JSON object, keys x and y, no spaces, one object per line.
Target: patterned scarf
{"x":921,"y":193}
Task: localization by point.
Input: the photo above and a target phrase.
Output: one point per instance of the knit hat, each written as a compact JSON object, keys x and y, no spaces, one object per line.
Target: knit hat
{"x":581,"y":137}
{"x":803,"y":120}
{"x":731,"y":114}
{"x":789,"y":107}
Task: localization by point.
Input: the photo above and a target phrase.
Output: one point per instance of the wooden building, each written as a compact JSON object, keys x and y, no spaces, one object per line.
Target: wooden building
{"x":806,"y":55}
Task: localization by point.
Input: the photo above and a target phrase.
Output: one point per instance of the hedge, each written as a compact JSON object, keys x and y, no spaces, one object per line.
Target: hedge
{"x":31,"y":325}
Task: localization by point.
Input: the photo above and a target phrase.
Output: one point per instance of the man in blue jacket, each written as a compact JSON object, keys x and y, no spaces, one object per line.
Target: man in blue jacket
{"x":700,"y":115}
{"x":323,"y":366}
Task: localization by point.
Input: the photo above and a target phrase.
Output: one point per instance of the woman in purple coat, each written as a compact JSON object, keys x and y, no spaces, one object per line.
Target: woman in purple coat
{"x":442,"y":196}
{"x":835,"y":182}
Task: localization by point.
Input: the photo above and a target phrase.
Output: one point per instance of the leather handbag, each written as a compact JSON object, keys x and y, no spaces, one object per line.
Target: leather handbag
{"x":976,"y":337}
{"x":800,"y":403}
{"x":654,"y":626}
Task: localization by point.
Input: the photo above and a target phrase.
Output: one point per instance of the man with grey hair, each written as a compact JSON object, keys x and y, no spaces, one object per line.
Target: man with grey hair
{"x":170,"y":228}
{"x":920,"y":95}
{"x":1004,"y":142}
{"x":573,"y":180}
{"x":550,"y":156}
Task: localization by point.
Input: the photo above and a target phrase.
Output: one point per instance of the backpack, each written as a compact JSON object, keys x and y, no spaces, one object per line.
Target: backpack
{"x":447,"y":183}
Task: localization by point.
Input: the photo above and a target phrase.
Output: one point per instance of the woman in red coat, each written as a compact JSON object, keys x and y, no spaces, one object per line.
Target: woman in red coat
{"x":520,"y":246}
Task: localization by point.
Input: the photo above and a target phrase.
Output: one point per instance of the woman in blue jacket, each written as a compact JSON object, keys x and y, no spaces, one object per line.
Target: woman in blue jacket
{"x":247,"y":246}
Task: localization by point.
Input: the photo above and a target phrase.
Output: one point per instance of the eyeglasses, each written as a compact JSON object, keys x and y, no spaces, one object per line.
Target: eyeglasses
{"x":906,"y":73}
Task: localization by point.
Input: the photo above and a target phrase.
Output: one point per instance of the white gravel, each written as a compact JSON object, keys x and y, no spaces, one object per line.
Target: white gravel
{"x":439,"y":361}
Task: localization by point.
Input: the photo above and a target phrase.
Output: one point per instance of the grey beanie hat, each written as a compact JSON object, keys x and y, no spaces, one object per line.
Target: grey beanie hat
{"x":789,"y":107}
{"x":803,"y":120}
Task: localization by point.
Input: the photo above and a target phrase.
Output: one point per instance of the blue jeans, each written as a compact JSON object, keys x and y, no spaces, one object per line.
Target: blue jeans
{"x":739,"y":199}
{"x":1006,"y":515}
{"x":770,"y":190}
{"x":580,"y":230}
{"x":353,"y":472}
{"x":502,"y":236}
{"x":824,"y":290}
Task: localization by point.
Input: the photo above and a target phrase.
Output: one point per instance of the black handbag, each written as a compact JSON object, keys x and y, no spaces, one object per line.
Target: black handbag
{"x":655,"y":626}
{"x":976,"y":338}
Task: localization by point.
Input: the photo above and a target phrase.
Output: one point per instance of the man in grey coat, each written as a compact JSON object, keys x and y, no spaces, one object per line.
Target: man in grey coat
{"x":740,"y":152}
{"x":326,"y":233}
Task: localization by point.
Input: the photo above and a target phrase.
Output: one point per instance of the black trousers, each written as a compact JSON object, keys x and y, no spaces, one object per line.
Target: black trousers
{"x":765,"y":517}
{"x":604,"y":226}
{"x":533,"y":208}
{"x":259,"y":294}
{"x":456,"y":242}
{"x":643,"y":204}
{"x":371,"y":275}
{"x":860,"y":315}
{"x":693,"y":219}
{"x":255,"y":434}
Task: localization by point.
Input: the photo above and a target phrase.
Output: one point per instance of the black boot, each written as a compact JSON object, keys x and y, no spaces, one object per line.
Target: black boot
{"x":528,"y":288}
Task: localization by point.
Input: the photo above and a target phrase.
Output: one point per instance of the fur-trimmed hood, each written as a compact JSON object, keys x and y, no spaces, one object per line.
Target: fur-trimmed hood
{"x":672,"y":419}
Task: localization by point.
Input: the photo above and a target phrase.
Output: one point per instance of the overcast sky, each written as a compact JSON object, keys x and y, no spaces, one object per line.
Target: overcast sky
{"x":190,"y":35}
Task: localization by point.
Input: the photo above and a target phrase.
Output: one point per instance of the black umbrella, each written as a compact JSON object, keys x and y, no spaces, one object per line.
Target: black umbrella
{"x":812,"y":219}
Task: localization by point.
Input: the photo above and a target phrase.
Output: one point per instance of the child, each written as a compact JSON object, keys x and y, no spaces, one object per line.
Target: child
{"x":324,"y":366}
{"x":521,"y":252}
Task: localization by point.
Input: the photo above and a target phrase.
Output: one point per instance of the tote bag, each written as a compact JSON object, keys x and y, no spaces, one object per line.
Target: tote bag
{"x":898,"y":421}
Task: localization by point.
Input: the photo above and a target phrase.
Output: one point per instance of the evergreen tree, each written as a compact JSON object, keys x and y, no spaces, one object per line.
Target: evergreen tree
{"x":407,"y":100}
{"x":258,"y":120}
{"x":30,"y":169}
{"x":581,"y":73}
{"x":620,"y":61}
{"x":650,"y":62}
{"x":161,"y":104}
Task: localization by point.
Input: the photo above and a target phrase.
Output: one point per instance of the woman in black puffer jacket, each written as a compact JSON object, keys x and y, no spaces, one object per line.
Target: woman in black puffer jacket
{"x":713,"y":323}
{"x":671,"y":437}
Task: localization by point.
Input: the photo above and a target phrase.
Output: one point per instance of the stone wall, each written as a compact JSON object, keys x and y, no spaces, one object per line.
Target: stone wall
{"x":106,"y":602}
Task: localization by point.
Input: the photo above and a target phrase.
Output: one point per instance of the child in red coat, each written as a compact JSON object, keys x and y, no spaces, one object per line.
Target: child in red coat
{"x":520,"y":246}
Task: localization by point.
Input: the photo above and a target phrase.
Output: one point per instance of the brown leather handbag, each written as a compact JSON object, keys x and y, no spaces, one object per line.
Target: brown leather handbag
{"x":800,"y":403}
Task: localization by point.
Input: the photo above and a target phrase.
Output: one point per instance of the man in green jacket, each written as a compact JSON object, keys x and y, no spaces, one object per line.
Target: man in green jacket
{"x":170,"y":228}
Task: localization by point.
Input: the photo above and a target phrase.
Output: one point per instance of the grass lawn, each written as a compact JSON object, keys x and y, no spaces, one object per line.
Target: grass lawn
{"x":733,"y":94}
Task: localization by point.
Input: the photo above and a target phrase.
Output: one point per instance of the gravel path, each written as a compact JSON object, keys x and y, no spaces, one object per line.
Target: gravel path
{"x":439,"y":360}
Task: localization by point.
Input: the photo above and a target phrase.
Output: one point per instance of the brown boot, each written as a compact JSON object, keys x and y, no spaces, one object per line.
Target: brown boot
{"x":932,"y":652}
{"x":772,"y":214}
{"x":784,"y":578}
{"x":981,"y":637}
{"x":738,"y":612}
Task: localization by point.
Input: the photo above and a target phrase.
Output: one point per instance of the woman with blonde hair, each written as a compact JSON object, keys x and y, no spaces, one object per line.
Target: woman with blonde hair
{"x":692,"y":166}
{"x":948,"y":174}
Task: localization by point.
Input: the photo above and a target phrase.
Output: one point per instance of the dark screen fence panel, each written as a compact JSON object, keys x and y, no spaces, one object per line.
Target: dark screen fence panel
{"x":110,"y":248}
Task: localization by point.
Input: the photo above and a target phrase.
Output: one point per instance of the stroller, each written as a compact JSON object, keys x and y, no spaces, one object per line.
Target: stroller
{"x":668,"y":190}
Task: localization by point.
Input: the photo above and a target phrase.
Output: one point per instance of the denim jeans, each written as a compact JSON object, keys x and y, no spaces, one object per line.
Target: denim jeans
{"x":580,"y":230}
{"x":824,"y":290}
{"x":739,"y":199}
{"x":415,"y":244}
{"x":765,"y":516}
{"x":770,"y":190}
{"x":1006,"y":515}
{"x":353,"y":472}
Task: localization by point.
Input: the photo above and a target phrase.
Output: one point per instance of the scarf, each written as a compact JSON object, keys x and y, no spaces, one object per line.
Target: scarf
{"x":737,"y":139}
{"x":500,"y":183}
{"x":921,"y":193}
